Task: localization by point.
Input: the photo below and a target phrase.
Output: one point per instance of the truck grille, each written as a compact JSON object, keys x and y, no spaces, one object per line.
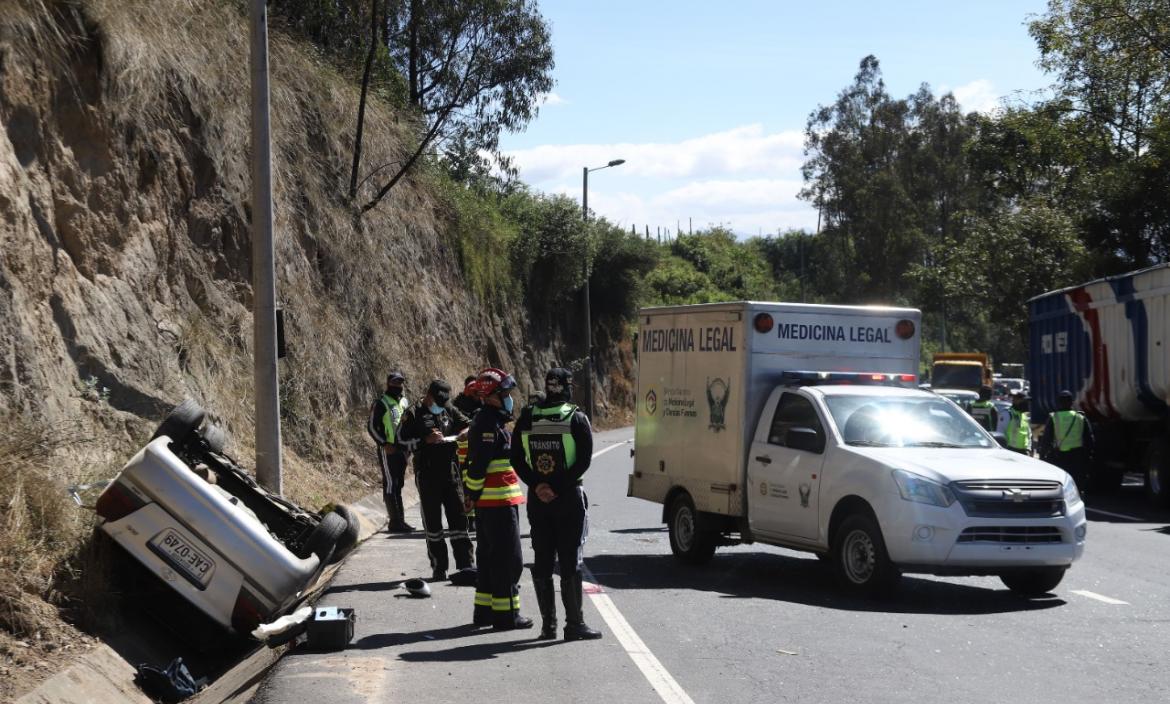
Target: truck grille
{"x":1010,"y":498}
{"x":1012,"y":535}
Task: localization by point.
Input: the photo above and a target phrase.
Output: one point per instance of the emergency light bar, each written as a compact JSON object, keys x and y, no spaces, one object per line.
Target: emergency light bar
{"x":809,"y":378}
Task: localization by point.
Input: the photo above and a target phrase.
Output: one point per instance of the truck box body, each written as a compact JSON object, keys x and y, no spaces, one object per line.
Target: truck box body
{"x":1108,"y":342}
{"x":961,"y":370}
{"x":705,"y":373}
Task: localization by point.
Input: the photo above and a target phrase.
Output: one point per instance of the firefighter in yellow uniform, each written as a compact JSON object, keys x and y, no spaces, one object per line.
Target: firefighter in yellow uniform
{"x":493,"y":489}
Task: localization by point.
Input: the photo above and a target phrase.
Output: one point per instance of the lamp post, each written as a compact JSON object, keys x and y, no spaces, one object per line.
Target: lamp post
{"x":588,"y":317}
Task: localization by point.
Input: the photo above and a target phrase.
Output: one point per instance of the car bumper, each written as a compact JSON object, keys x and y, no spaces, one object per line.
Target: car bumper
{"x":947,"y":540}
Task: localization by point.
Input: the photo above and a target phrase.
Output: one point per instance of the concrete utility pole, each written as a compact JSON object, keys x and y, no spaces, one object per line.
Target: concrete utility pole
{"x":264,"y":371}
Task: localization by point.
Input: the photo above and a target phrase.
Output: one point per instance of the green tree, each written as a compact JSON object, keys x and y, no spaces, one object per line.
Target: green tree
{"x":474,"y":69}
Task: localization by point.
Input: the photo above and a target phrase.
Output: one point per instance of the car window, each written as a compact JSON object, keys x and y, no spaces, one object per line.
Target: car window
{"x":792,"y":411}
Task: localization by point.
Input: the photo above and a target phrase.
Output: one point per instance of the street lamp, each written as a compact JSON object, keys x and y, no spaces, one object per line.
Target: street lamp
{"x":588,"y":327}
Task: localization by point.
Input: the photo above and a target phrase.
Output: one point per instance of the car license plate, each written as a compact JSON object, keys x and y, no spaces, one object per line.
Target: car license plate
{"x":178,"y":552}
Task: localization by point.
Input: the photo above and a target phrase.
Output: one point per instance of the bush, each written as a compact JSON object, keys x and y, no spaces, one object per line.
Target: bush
{"x":621,"y":265}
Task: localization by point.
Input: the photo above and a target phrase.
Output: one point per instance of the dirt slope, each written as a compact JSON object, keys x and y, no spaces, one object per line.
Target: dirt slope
{"x":125,"y":266}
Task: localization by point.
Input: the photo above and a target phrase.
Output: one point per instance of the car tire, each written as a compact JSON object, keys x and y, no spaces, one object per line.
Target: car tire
{"x":215,"y":437}
{"x":181,"y":422}
{"x":322,"y":541}
{"x":1033,"y":582}
{"x":349,"y":538}
{"x":690,"y":544}
{"x":860,"y":560}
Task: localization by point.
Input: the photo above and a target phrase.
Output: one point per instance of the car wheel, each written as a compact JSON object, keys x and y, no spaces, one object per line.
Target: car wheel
{"x":1157,"y":476}
{"x":688,"y":542}
{"x":215,"y":437}
{"x":181,"y":422}
{"x":349,"y":537}
{"x":1033,"y":582}
{"x":860,"y":560}
{"x":322,"y":541}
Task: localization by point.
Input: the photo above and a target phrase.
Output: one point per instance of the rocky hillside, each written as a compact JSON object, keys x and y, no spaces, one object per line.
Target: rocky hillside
{"x":125,"y":260}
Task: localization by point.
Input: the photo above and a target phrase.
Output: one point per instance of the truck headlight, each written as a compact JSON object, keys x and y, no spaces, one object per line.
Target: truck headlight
{"x":922,"y":490}
{"x":1071,"y":495}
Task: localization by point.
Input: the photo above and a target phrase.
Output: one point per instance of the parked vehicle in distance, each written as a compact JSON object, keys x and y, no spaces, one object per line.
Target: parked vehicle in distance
{"x":1005,"y":387}
{"x":1106,"y":342}
{"x":962,"y":397}
{"x":799,"y":426}
{"x":960,"y":370}
{"x":198,"y":521}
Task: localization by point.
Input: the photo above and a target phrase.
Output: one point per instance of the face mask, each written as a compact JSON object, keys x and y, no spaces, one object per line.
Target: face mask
{"x":394,"y":392}
{"x":436,"y":409}
{"x":508,"y":404}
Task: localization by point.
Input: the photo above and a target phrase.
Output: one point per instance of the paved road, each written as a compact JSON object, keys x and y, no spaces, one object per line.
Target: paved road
{"x":758,"y":624}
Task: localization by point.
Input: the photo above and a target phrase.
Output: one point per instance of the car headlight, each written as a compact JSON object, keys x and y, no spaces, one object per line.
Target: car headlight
{"x":922,"y":490}
{"x":1071,"y":495}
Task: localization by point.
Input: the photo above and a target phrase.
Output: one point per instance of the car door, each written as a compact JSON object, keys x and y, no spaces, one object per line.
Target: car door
{"x":784,"y":467}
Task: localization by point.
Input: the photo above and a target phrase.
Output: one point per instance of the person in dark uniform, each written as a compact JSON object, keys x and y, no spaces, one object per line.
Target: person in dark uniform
{"x":554,"y":451}
{"x":1067,"y":441}
{"x":431,"y":426}
{"x":494,"y":490}
{"x":469,"y":405}
{"x":385,"y":419}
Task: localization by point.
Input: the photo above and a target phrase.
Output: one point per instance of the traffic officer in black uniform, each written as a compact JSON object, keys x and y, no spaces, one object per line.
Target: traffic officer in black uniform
{"x":1067,"y":441}
{"x":431,"y":426}
{"x":554,"y":451}
{"x":984,"y":411}
{"x":385,"y":418}
{"x":494,"y":490}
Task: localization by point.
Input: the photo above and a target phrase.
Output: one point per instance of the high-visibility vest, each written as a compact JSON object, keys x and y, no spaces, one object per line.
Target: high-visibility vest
{"x":499,"y":487}
{"x":550,"y":440}
{"x":393,"y":415}
{"x":1069,"y":427}
{"x":985,"y":413}
{"x":1019,"y":430}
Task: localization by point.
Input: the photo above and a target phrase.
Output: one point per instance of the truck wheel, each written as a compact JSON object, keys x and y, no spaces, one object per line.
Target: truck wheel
{"x":860,"y":559}
{"x":215,"y":437}
{"x":688,"y":543}
{"x":1033,"y":582}
{"x":323,"y":540}
{"x":181,"y":422}
{"x":1157,"y":476}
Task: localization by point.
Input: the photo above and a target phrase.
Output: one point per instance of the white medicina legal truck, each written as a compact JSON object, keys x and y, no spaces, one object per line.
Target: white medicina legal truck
{"x":801,"y":426}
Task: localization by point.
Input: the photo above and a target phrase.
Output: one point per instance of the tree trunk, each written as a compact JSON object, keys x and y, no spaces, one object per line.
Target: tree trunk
{"x":361,"y":116}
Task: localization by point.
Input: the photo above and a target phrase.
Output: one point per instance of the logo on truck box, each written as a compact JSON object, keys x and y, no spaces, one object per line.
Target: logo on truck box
{"x":651,"y":402}
{"x":718,"y":391}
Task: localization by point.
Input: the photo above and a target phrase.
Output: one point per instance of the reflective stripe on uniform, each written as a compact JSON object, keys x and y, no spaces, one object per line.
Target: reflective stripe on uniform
{"x":503,"y":603}
{"x":483,"y":599}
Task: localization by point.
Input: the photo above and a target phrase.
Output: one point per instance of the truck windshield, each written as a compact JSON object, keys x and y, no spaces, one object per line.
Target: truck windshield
{"x":956,"y":376}
{"x":883,"y":421}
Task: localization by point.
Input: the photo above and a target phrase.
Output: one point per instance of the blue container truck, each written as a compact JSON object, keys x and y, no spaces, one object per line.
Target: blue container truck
{"x":1108,"y":342}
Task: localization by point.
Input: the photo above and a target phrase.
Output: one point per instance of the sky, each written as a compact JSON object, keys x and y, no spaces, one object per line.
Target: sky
{"x":707,"y":101}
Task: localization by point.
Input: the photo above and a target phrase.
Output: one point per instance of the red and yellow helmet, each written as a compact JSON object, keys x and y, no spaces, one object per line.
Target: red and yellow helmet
{"x":490,"y":381}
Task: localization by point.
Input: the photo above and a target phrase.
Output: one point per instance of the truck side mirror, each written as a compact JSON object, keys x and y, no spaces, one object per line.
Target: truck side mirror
{"x":805,"y":439}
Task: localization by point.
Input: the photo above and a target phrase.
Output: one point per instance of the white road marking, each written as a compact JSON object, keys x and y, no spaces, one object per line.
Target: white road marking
{"x":599,"y":453}
{"x":1105,"y":513}
{"x":1101,"y":597}
{"x":665,"y":685}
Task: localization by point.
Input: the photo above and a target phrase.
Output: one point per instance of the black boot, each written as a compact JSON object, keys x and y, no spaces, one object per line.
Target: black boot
{"x":546,"y":599}
{"x":571,"y":596}
{"x":398,"y":522}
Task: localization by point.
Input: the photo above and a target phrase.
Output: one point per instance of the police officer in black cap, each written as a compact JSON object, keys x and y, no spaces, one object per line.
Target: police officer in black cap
{"x":1067,"y":441}
{"x":555,"y":450}
{"x":432,"y":426}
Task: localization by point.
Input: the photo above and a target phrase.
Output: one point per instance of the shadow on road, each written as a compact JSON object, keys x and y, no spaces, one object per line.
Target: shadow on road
{"x":390,"y":640}
{"x":758,"y":575}
{"x":627,"y":531}
{"x":477,"y":651}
